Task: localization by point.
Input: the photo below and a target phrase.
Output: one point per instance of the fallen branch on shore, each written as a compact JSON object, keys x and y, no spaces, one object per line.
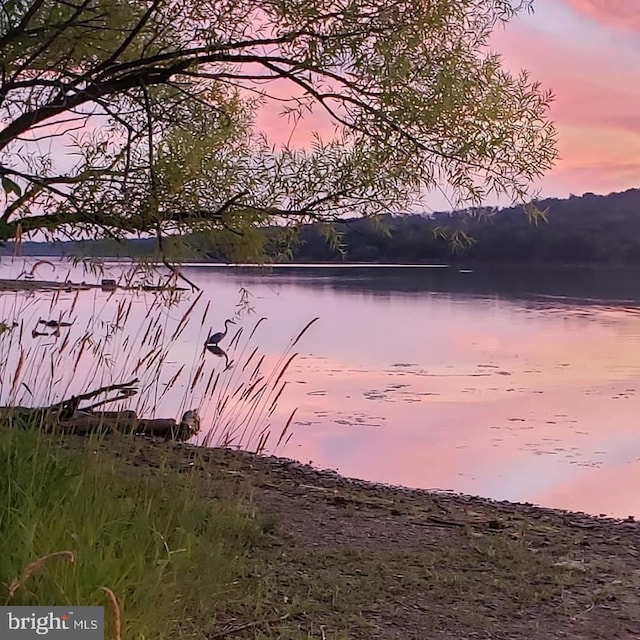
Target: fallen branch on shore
{"x":14,"y":284}
{"x":72,"y":404}
{"x":68,"y":417}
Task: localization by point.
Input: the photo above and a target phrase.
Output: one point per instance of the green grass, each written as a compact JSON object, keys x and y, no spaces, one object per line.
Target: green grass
{"x":173,"y":532}
{"x":172,"y":546}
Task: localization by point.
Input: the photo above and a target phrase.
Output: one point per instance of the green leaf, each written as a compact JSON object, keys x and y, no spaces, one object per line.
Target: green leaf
{"x":6,"y":231}
{"x":10,"y":186}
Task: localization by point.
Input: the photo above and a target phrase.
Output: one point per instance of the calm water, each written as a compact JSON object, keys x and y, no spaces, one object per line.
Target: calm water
{"x":519,"y":384}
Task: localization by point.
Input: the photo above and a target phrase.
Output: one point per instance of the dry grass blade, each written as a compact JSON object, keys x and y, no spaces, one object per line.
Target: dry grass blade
{"x":247,"y":392}
{"x":174,"y":379}
{"x":248,"y":625}
{"x":238,"y":390}
{"x":262,"y":442}
{"x":65,"y":343}
{"x":143,"y":360}
{"x":246,"y":364}
{"x":16,"y":375}
{"x":257,"y":369}
{"x":212,"y":384}
{"x":204,"y":315}
{"x":256,"y":327}
{"x":275,"y":400}
{"x":258,"y":393}
{"x":116,"y":620}
{"x":83,"y":343}
{"x":284,"y":369}
{"x":197,"y":376}
{"x":35,"y":566}
{"x":74,"y":302}
{"x":185,"y":318}
{"x":222,"y":405}
{"x":286,"y":428}
{"x":236,"y":338}
{"x":304,"y":330}
{"x":147,"y":332}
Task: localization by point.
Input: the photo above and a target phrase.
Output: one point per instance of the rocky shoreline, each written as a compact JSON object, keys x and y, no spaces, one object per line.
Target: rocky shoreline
{"x":418,"y":564}
{"x":329,"y":478}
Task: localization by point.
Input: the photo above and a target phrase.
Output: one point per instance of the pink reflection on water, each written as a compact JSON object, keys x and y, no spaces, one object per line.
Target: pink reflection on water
{"x":614,"y":486}
{"x":499,"y":397}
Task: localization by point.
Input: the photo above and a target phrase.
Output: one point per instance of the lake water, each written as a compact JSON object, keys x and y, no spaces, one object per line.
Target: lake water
{"x":511,"y":384}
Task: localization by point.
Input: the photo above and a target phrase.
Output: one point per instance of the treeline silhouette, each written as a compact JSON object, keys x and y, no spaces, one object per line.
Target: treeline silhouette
{"x":585,"y":229}
{"x":588,"y":229}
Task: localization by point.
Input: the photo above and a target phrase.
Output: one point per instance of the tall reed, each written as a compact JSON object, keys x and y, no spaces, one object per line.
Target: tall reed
{"x":168,"y":548}
{"x":111,"y":337}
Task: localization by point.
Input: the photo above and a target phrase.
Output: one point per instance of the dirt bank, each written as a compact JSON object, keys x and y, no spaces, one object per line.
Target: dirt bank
{"x":347,"y":559}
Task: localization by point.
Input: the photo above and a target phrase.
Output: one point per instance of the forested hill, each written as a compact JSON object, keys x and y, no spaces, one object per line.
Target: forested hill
{"x":584,"y":229}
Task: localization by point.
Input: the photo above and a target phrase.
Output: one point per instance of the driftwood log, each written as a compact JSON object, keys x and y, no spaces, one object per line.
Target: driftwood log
{"x":68,"y":417}
{"x":17,"y":284}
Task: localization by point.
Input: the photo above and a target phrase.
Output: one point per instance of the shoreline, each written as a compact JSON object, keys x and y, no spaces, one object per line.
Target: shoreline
{"x":276,"y":548}
{"x":331,"y":478}
{"x":484,"y":265}
{"x":414,"y":564}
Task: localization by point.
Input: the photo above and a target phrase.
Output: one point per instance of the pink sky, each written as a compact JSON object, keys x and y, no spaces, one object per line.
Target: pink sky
{"x":588,"y":53}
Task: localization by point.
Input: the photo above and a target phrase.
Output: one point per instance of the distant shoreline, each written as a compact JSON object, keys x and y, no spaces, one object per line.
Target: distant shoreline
{"x":467,"y":266}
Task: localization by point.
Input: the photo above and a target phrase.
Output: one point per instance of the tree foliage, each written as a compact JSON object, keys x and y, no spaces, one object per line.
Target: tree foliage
{"x":122,"y":117}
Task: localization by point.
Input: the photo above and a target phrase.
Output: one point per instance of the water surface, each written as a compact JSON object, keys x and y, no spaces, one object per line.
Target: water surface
{"x":511,"y":384}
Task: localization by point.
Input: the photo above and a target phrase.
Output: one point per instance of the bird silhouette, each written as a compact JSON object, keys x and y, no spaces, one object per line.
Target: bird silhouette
{"x":215,"y":338}
{"x":55,"y":324}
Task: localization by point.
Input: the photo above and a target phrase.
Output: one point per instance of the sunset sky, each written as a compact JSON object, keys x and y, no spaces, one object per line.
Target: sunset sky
{"x":588,"y":53}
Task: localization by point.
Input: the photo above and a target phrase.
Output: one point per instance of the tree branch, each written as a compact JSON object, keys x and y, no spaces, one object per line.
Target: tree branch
{"x":130,"y":37}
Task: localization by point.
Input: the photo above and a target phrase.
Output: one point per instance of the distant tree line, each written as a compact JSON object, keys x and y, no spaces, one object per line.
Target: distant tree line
{"x":586,"y":229}
{"x":589,"y":229}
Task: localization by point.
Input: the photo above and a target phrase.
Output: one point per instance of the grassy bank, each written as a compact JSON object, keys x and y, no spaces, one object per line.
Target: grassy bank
{"x":171,"y":546}
{"x":216,"y":544}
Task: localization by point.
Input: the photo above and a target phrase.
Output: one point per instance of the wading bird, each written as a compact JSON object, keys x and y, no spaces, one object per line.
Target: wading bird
{"x":214,"y":338}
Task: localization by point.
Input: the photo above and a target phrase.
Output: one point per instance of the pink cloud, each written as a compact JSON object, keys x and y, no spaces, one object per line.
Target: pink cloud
{"x":593,"y":75}
{"x":596,"y":99}
{"x":615,"y":13}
